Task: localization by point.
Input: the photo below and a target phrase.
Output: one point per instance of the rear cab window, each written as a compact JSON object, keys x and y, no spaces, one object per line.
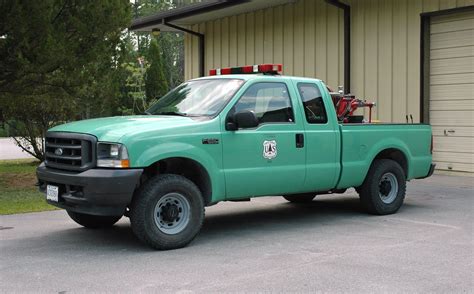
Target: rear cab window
{"x":314,"y":109}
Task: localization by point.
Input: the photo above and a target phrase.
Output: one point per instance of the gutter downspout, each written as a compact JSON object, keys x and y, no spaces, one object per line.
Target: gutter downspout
{"x":201,"y":43}
{"x":347,"y":42}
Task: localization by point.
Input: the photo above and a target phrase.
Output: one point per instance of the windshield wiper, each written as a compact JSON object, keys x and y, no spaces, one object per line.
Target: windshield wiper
{"x":171,"y":113}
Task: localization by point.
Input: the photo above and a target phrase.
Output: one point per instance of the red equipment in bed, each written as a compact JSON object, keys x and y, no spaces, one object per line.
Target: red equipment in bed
{"x":347,"y":104}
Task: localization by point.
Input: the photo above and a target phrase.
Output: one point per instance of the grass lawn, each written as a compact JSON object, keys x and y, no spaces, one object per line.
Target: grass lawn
{"x":18,"y":192}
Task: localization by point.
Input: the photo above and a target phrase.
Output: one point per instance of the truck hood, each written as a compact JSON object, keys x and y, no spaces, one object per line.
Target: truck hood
{"x":112,"y":129}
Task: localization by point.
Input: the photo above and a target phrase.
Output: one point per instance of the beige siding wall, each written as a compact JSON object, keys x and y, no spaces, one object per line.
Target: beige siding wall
{"x":386,"y":53}
{"x":307,"y":37}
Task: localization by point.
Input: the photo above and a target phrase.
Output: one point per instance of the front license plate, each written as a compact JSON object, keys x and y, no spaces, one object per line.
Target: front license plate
{"x":52,"y":193}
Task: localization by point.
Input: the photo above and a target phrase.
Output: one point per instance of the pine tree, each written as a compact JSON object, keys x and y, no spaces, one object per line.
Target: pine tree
{"x":156,"y":84}
{"x":57,"y":58}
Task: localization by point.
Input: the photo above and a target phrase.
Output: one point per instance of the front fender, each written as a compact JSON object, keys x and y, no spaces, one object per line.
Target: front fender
{"x":184,"y":150}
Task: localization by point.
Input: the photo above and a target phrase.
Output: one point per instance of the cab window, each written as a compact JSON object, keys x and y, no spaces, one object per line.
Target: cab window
{"x":269,"y":101}
{"x":313,"y":103}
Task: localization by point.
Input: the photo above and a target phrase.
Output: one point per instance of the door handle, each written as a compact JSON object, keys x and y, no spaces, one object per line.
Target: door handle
{"x":299,"y":140}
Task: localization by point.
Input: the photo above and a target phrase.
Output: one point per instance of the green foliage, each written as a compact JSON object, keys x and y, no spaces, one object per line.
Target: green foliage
{"x":8,"y":130}
{"x":156,"y":84}
{"x":56,"y":56}
{"x":47,"y":46}
{"x":171,"y":44}
{"x":143,"y":8}
{"x":65,"y":60}
{"x":135,"y":83}
{"x":172,"y":48}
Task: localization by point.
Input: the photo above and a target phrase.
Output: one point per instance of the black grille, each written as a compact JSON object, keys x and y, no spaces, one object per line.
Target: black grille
{"x":70,"y":151}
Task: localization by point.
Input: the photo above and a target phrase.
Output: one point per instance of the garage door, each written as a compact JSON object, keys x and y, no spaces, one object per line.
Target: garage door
{"x":452,"y":91}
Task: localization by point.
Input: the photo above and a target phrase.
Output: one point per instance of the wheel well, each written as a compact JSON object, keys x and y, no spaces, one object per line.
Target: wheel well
{"x":395,"y":155}
{"x":188,"y":168}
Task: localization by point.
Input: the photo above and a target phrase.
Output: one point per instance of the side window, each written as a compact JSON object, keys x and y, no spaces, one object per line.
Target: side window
{"x":269,"y":101}
{"x":313,"y":103}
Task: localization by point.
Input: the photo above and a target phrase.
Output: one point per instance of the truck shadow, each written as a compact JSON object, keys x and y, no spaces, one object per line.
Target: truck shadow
{"x":222,"y":224}
{"x":281,"y":215}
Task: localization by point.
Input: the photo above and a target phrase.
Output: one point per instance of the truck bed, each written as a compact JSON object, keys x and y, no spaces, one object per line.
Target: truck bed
{"x":361,"y":143}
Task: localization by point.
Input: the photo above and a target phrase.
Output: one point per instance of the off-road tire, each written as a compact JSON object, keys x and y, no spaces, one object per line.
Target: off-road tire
{"x":300,"y":198}
{"x":142,"y":211}
{"x":369,"y":191}
{"x":93,"y":221}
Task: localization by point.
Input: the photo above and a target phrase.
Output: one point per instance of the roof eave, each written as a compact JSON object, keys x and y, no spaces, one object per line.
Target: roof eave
{"x":183,"y":12}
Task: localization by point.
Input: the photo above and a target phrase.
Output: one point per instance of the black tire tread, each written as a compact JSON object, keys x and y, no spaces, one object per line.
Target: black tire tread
{"x":142,"y":198}
{"x":368,"y":191}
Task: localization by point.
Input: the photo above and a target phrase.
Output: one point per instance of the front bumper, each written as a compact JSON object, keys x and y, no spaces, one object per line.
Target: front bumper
{"x":94,"y":191}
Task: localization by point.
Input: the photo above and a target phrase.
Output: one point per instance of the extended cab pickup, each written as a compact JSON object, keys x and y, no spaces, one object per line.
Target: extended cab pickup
{"x":225,"y":137}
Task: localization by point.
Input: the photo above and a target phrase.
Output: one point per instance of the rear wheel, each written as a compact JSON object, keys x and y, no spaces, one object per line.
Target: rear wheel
{"x":300,"y":198}
{"x":93,"y":221}
{"x":383,"y":190}
{"x":167,"y":212}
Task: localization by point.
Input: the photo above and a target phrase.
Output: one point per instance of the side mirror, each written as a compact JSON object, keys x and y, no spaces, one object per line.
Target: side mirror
{"x":245,"y":119}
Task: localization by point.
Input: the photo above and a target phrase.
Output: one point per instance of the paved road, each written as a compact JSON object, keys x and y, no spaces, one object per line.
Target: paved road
{"x":8,"y":150}
{"x":263,"y":245}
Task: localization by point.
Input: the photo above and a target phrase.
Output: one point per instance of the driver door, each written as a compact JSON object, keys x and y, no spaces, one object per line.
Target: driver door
{"x":268,"y":159}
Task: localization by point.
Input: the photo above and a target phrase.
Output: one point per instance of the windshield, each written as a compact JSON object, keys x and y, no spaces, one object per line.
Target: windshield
{"x":197,"y":98}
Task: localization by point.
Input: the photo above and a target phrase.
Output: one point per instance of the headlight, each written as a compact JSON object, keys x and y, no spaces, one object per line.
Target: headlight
{"x":112,"y":155}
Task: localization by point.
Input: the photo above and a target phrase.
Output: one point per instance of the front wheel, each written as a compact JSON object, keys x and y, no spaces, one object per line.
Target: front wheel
{"x":93,"y":221}
{"x":167,"y":212}
{"x":383,"y":190}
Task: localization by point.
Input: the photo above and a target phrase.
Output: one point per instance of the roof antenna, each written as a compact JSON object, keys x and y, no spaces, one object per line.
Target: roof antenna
{"x":411,"y":117}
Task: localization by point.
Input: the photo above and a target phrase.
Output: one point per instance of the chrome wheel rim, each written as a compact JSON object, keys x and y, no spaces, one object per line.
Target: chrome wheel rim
{"x":172,"y":213}
{"x":388,"y":188}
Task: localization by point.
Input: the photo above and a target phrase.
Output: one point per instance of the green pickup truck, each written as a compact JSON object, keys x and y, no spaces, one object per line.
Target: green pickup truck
{"x":227,"y":137}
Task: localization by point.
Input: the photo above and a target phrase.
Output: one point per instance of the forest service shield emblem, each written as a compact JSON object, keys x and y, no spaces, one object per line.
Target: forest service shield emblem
{"x":269,"y":149}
